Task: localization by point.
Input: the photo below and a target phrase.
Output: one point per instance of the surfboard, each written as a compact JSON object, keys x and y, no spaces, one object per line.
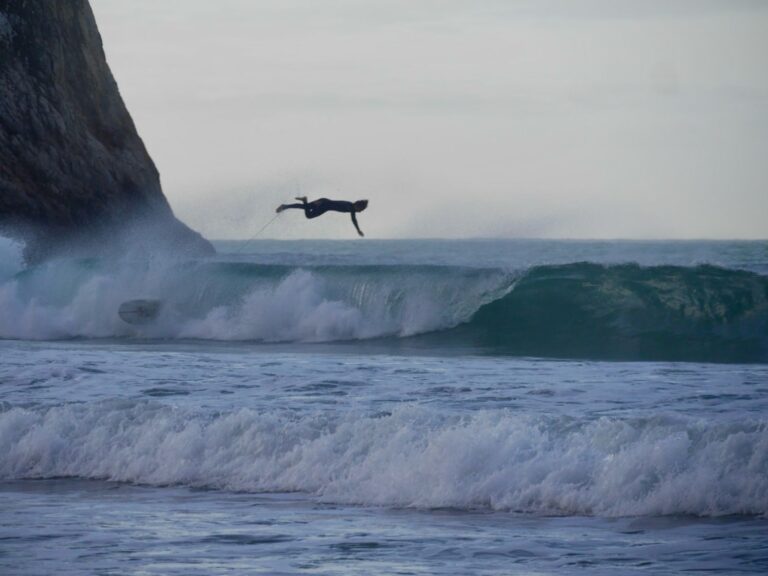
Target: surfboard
{"x":143,"y":311}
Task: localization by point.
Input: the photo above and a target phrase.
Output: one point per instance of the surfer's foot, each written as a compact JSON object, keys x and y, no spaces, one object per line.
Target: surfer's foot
{"x":280,"y":208}
{"x":302,"y":199}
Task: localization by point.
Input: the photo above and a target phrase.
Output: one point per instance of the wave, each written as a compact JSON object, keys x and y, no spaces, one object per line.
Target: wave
{"x":581,"y":310}
{"x":411,"y":457}
{"x":586,"y":310}
{"x":244,"y":301}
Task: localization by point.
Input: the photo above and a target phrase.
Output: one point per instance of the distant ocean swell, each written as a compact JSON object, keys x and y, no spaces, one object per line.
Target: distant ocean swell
{"x":577,"y":310}
{"x":498,"y":460}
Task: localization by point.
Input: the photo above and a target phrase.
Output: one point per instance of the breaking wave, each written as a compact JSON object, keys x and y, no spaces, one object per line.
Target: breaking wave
{"x":585,"y":310}
{"x":411,"y":457}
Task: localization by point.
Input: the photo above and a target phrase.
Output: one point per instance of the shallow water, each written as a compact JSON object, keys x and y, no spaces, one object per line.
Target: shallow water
{"x":133,"y":453}
{"x":77,"y":527}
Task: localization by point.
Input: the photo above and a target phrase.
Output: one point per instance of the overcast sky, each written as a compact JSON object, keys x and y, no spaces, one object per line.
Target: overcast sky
{"x":475,"y":118}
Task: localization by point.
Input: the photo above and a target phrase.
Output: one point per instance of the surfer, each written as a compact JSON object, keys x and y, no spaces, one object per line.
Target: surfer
{"x":322,"y":205}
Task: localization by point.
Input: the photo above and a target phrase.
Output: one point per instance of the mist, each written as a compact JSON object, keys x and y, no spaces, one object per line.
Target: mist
{"x":588,"y":119}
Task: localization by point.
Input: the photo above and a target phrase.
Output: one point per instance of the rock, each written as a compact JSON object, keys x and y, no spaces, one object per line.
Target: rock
{"x":74,"y":173}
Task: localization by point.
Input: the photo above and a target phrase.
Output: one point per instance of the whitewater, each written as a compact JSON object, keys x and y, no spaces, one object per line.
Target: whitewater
{"x":442,"y":407}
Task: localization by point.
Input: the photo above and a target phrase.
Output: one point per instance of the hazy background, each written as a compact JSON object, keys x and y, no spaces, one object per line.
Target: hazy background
{"x":561,"y":118}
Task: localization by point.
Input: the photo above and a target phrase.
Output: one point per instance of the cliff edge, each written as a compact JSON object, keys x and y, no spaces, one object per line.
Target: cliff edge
{"x":74,"y":173}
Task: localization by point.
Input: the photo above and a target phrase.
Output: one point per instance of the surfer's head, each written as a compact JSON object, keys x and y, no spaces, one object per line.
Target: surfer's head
{"x":360,"y":205}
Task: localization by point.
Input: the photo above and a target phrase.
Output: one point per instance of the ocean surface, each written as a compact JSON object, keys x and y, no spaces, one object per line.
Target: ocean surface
{"x":388,"y":407}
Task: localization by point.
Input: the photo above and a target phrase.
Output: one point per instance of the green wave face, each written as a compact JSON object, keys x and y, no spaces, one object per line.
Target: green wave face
{"x":586,"y":310}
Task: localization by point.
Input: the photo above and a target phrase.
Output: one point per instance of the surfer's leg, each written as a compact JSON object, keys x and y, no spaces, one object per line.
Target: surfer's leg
{"x":286,"y":206}
{"x":315,"y":208}
{"x":310,"y":208}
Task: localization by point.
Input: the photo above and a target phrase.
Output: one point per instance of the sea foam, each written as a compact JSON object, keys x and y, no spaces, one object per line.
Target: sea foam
{"x":411,"y":457}
{"x":230,"y":301}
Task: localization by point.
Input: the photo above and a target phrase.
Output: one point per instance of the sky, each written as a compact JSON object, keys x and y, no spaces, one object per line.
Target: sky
{"x":473,"y":118}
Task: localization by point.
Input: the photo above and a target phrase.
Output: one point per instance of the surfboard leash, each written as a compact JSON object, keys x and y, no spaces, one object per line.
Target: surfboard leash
{"x":252,"y":238}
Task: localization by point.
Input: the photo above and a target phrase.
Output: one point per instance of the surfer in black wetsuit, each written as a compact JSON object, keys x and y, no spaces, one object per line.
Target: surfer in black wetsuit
{"x":322,"y":205}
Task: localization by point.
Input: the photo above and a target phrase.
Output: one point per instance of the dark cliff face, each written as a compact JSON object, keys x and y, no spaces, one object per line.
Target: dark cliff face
{"x":73,"y":170}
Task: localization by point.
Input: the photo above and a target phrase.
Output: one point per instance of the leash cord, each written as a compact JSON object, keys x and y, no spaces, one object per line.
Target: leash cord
{"x":252,"y":238}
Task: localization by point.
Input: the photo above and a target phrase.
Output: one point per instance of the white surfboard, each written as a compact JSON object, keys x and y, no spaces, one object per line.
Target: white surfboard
{"x":143,"y":311}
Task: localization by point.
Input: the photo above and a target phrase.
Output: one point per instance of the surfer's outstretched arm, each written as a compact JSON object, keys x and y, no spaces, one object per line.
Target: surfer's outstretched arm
{"x":354,"y":221}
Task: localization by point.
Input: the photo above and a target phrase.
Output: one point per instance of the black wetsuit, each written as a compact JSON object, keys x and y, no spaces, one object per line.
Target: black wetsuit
{"x":322,"y":205}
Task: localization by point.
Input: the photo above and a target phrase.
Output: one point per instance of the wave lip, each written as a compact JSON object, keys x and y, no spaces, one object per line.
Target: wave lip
{"x":412,"y":457}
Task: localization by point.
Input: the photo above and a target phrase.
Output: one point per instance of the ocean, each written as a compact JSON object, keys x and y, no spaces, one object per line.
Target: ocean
{"x":388,"y":407}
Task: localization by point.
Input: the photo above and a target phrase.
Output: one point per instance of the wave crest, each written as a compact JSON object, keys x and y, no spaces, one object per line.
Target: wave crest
{"x":629,"y":312}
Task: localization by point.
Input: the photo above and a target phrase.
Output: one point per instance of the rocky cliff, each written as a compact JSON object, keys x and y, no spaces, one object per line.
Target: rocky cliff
{"x":73,"y":170}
